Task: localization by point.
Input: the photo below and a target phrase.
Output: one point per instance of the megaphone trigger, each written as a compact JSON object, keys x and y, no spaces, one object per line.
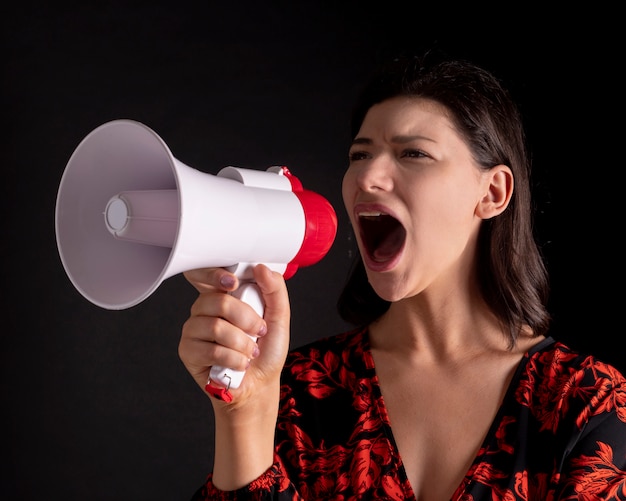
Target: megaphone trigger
{"x":219,"y":392}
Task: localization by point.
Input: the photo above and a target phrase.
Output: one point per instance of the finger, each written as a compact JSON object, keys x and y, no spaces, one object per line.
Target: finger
{"x":208,"y":341}
{"x":230,"y":341}
{"x":221,"y":319}
{"x":234,"y":311}
{"x":213,"y":341}
{"x":207,"y":279}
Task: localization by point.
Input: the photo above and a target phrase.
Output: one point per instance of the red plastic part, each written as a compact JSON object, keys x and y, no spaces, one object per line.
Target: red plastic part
{"x":296,"y":184}
{"x":320,"y":231}
{"x":321,"y":226}
{"x":219,"y":392}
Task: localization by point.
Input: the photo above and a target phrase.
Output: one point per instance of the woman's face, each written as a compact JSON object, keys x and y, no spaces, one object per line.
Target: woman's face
{"x":411,"y":191}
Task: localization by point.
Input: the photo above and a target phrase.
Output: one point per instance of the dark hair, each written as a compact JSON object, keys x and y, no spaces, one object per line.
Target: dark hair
{"x":512,"y":275}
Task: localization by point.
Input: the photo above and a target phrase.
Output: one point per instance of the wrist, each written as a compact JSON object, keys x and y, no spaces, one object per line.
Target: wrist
{"x":244,"y":440}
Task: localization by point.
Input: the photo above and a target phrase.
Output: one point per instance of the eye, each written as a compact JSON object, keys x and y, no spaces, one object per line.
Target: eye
{"x":358,"y":155}
{"x":413,"y":153}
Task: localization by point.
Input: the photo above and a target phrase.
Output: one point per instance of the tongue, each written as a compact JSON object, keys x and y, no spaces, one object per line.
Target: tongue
{"x":389,"y":246}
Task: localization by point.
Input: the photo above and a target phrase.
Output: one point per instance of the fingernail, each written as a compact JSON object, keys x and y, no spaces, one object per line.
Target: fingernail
{"x":227,"y":281}
{"x":256,"y":352}
{"x":262,"y":330}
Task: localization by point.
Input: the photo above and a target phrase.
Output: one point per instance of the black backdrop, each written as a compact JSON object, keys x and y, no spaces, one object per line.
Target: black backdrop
{"x":96,"y":403}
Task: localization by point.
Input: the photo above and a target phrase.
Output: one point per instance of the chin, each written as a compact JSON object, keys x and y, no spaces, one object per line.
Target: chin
{"x":387,"y":286}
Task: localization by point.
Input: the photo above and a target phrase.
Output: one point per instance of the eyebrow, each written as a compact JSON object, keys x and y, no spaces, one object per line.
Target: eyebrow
{"x":394,"y":139}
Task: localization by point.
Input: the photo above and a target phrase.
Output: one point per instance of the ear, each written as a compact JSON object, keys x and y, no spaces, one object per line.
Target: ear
{"x":499,"y":189}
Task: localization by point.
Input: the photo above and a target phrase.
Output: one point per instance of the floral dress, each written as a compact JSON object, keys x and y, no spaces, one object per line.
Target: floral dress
{"x":560,"y":433}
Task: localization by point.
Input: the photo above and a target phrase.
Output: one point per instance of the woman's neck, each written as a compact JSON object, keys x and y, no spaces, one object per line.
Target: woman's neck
{"x":438,"y":330}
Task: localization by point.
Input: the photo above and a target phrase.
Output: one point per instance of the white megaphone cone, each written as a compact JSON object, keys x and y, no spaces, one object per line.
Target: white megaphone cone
{"x":129,"y":215}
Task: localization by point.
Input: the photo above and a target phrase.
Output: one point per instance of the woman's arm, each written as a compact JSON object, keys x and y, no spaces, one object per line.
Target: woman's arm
{"x":217,"y":333}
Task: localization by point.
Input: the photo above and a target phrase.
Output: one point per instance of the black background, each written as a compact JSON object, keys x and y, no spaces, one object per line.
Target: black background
{"x":97,"y":404}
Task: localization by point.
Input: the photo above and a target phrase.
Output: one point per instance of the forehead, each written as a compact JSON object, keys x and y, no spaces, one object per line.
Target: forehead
{"x":401,"y":115}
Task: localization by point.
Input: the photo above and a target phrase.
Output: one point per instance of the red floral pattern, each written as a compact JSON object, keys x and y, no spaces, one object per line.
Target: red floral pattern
{"x":559,"y":435}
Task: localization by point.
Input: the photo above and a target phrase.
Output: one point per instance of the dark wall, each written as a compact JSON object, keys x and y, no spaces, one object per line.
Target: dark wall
{"x":97,"y":404}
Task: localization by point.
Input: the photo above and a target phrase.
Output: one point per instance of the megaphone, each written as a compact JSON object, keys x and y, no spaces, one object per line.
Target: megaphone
{"x":130,"y":215}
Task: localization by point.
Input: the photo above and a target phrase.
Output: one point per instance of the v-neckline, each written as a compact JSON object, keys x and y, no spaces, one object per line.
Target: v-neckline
{"x":493,"y":428}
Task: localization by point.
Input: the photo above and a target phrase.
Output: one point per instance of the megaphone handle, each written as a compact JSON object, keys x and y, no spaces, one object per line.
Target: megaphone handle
{"x":221,"y":379}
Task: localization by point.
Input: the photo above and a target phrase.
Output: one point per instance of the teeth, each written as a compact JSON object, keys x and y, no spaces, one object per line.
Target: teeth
{"x":371,"y":214}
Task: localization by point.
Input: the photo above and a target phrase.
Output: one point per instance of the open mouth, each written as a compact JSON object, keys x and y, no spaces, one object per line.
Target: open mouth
{"x":382,"y":235}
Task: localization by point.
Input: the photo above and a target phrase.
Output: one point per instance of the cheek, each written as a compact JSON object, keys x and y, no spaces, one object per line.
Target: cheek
{"x":443,"y":212}
{"x":457,"y":196}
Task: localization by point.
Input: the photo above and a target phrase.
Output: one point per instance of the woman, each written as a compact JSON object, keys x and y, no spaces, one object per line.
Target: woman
{"x":449,"y":387}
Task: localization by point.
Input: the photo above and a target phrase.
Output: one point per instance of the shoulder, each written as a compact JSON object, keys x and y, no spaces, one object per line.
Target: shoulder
{"x":352,"y":340}
{"x":341,"y":357}
{"x":557,"y":377}
{"x":556,"y":363}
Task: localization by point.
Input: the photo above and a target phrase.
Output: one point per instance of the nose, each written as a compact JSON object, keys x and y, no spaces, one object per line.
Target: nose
{"x":375,"y":174}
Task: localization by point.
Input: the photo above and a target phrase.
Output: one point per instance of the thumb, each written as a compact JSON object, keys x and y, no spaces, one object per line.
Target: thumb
{"x":277,"y":314}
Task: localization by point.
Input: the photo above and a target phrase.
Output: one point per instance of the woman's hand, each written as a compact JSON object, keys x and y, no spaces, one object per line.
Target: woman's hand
{"x":218,"y":329}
